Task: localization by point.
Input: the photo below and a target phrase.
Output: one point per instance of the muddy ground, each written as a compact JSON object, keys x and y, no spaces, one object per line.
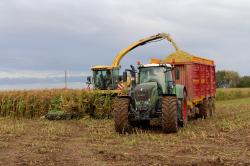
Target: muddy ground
{"x":221,"y":140}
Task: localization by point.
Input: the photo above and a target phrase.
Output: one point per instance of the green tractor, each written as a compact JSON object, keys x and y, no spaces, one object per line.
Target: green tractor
{"x":154,"y":96}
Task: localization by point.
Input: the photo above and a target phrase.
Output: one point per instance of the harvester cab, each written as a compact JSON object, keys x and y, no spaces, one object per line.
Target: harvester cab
{"x":105,"y":77}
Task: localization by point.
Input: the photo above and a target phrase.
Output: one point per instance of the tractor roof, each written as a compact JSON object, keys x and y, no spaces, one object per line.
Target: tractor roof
{"x":154,"y":65}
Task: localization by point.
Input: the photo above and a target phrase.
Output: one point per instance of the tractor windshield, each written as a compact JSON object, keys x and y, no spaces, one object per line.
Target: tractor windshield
{"x":106,"y":79}
{"x":159,"y":74}
{"x":152,"y":74}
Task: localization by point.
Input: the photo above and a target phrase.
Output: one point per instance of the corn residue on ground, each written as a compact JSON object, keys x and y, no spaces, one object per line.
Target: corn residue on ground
{"x":221,"y":140}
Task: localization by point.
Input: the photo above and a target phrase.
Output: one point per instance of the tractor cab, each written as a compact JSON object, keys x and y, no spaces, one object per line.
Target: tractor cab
{"x":105,"y":77}
{"x":157,"y":74}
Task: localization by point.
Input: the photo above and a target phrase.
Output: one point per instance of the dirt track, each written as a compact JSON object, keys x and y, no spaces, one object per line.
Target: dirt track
{"x":221,"y":140}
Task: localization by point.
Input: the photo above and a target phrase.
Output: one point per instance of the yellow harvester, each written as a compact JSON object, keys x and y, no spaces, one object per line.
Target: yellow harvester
{"x":107,"y":77}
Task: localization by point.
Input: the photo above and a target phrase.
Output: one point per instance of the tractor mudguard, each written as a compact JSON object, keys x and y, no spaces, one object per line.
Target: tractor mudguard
{"x":179,"y":91}
{"x":168,"y":94}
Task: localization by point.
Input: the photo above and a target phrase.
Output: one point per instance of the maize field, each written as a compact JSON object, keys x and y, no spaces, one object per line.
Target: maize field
{"x":232,"y":93}
{"x":36,"y":103}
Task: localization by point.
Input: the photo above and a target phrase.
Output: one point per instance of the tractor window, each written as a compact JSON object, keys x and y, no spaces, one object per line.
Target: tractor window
{"x":153,"y":74}
{"x":169,"y":82}
{"x":169,"y":79}
{"x":169,"y":76}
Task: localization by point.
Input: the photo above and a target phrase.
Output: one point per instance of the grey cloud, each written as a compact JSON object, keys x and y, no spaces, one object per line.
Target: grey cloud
{"x":75,"y":35}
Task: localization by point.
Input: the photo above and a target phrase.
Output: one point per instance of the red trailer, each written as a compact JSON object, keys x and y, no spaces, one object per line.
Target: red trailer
{"x":198,"y":76}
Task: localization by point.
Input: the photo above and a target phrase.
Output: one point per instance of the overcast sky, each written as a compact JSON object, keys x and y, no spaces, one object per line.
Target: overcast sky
{"x":42,"y":37}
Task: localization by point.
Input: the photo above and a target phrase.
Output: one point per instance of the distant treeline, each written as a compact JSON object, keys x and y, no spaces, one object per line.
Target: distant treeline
{"x":231,"y":79}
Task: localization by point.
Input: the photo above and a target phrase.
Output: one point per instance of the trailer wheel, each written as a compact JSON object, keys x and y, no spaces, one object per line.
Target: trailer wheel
{"x":183,"y":120}
{"x":211,"y":107}
{"x":169,"y":114}
{"x":121,"y":108}
{"x":204,"y":109}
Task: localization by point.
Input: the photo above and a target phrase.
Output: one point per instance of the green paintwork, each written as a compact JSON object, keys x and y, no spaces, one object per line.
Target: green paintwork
{"x":179,"y":89}
{"x":153,"y":83}
{"x":150,"y":95}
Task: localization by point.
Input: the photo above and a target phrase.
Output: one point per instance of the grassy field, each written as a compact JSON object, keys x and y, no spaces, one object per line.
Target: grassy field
{"x":232,"y":93}
{"x":221,"y":140}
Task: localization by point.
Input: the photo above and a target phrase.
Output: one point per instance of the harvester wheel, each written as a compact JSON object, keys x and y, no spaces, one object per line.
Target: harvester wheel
{"x":183,"y":120}
{"x":169,"y":114}
{"x":121,"y":107}
{"x":204,"y":109}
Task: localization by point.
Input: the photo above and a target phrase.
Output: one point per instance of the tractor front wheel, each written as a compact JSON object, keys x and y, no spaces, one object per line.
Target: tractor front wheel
{"x":121,"y":108}
{"x":169,"y":114}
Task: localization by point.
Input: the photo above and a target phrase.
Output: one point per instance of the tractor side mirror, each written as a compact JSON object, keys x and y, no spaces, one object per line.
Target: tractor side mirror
{"x":133,"y":68}
{"x":172,"y":66}
{"x":89,"y":80}
{"x":124,"y":76}
{"x":120,"y":78}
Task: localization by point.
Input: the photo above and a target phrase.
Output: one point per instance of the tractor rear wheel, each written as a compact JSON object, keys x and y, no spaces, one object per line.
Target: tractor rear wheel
{"x":121,"y":108}
{"x":169,"y":114}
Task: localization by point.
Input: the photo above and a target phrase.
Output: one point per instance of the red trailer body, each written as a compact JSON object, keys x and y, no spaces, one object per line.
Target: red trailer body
{"x":196,"y":74}
{"x":199,"y":79}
